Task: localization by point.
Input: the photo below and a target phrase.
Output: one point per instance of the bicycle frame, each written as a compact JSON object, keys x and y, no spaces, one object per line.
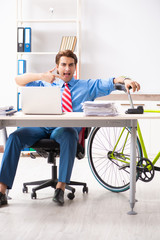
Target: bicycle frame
{"x":142,"y":142}
{"x":145,"y":155}
{"x":140,"y":133}
{"x":122,"y":156}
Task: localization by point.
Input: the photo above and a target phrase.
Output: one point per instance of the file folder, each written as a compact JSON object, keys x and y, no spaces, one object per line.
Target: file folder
{"x":20,"y":39}
{"x":21,"y":70}
{"x":19,"y":107}
{"x":21,"y":66}
{"x":27,"y":39}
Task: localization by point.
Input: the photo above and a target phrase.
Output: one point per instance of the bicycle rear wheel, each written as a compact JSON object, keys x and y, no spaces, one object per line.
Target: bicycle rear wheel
{"x":110,"y":165}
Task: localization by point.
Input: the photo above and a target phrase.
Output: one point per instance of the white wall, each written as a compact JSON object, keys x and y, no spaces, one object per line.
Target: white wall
{"x":122,"y":37}
{"x":7,"y":52}
{"x":119,"y":37}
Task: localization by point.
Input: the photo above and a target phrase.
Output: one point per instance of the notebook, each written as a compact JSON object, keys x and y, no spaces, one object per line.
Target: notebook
{"x":41,"y":100}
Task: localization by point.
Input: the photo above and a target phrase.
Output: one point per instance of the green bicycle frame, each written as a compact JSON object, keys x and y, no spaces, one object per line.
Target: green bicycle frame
{"x":124,"y":158}
{"x":142,"y":142}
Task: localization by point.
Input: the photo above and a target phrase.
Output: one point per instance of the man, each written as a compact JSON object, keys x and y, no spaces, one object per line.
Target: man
{"x":81,"y":90}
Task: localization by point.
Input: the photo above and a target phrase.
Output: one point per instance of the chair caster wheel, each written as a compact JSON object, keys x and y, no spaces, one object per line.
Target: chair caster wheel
{"x":71,"y":196}
{"x":33,"y":195}
{"x":25,"y":189}
{"x":85,"y":189}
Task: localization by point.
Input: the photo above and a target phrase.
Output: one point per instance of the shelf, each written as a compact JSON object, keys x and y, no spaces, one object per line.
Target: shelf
{"x":39,"y":23}
{"x":36,"y":53}
{"x":46,"y":20}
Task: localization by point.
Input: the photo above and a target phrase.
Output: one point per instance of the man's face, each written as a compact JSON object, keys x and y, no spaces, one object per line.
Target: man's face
{"x":66,"y":68}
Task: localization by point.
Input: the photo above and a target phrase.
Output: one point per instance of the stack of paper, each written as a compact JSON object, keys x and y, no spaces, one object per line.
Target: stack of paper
{"x":7,"y":110}
{"x":99,"y":108}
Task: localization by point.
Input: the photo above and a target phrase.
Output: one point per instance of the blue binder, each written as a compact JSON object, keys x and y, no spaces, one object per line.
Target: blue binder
{"x":21,"y":66}
{"x":27,"y":39}
{"x":21,"y":70}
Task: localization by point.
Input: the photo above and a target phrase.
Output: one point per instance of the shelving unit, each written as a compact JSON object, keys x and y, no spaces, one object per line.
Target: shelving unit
{"x":39,"y":25}
{"x":21,"y":21}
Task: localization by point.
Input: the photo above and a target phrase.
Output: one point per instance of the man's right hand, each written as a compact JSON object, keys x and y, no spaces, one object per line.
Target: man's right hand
{"x":49,"y":76}
{"x":26,"y":78}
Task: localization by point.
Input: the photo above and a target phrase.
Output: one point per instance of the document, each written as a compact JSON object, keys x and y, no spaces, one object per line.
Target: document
{"x":7,"y":110}
{"x":99,"y":108}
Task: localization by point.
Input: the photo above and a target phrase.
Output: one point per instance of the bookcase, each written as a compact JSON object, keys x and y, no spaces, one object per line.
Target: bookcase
{"x":50,"y":21}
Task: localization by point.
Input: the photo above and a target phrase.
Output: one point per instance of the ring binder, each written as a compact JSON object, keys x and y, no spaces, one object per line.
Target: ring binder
{"x":20,"y":39}
{"x":21,"y":66}
{"x":27,"y":39}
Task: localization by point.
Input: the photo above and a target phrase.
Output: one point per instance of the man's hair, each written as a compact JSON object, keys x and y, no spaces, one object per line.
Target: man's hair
{"x":66,"y":53}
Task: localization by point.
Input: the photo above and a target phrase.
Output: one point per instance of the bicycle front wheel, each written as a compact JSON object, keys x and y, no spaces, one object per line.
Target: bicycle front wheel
{"x":109,"y":157}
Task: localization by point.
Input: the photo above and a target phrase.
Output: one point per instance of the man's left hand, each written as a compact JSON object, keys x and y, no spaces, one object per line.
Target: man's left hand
{"x":133,"y":84}
{"x":128,"y":83}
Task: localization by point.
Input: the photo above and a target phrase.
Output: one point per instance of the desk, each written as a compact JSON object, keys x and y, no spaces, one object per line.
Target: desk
{"x":79,"y":120}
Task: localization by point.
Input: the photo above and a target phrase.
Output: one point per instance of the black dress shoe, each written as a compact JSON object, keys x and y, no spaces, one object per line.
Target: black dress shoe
{"x":3,"y":199}
{"x":59,"y":196}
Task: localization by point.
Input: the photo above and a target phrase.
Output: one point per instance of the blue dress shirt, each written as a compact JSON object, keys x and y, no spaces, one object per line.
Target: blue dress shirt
{"x":81,"y":90}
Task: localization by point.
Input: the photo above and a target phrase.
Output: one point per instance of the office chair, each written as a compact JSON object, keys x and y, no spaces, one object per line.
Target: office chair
{"x":50,"y":149}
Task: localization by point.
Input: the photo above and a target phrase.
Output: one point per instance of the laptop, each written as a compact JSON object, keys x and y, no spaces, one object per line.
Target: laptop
{"x":41,"y":100}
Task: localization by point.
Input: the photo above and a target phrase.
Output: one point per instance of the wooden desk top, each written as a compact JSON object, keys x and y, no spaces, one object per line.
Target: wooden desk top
{"x":76,"y":119}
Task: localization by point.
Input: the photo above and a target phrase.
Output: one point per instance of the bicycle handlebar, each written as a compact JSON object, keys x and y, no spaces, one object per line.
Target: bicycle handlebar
{"x":139,"y":109}
{"x":121,"y":87}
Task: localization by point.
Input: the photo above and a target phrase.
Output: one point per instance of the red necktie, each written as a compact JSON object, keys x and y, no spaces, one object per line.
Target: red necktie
{"x":66,"y":99}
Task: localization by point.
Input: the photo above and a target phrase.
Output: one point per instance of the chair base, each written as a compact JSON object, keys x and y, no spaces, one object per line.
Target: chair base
{"x":52,"y":183}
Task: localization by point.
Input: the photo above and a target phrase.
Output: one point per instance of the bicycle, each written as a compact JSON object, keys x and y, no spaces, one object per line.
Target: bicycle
{"x":109,"y":155}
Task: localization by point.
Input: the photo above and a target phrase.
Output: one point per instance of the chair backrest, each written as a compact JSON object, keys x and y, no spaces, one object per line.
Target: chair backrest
{"x":81,"y":143}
